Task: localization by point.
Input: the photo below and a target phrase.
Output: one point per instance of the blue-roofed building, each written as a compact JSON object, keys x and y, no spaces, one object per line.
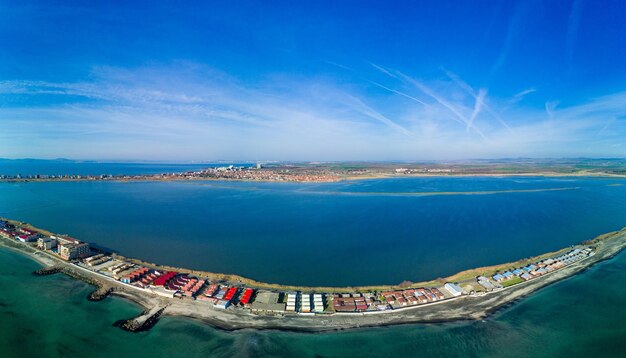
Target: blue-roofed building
{"x":507,"y":275}
{"x":530,"y":268}
{"x":498,"y":277}
{"x":525,"y":276}
{"x":517,"y":272}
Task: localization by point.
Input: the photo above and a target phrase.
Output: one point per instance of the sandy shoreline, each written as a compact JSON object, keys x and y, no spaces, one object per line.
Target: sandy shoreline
{"x":471,"y":307}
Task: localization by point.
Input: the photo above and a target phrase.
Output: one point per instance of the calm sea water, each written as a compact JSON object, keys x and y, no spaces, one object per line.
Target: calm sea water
{"x":348,"y":233}
{"x":63,"y":167}
{"x":50,"y":317}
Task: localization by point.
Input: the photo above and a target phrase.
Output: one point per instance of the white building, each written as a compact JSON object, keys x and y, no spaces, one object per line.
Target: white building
{"x":318,"y":303}
{"x":291,"y":302}
{"x":305,"y":303}
{"x":454,"y":289}
{"x":74,"y":251}
{"x":222,"y":304}
{"x":46,"y":243}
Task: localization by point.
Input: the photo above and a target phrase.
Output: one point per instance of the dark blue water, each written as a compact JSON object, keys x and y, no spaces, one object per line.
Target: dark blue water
{"x":348,"y":233}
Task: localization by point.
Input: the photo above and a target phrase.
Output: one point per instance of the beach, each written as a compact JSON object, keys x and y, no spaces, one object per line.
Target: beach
{"x":471,"y":307}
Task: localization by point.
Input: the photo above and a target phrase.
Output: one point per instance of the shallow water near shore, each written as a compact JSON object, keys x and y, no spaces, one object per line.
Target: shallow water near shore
{"x":578,"y":317}
{"x":349,"y":233}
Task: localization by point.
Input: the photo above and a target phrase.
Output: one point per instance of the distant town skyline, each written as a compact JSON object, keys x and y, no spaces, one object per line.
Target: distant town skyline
{"x":319,"y":81}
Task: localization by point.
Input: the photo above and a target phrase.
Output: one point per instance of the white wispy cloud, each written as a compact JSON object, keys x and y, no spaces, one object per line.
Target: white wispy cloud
{"x":550,"y":106}
{"x":522,"y":94}
{"x":192,"y":112}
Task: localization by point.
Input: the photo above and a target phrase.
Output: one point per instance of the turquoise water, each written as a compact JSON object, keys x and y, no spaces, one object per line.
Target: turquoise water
{"x":50,"y":317}
{"x":347,"y":233}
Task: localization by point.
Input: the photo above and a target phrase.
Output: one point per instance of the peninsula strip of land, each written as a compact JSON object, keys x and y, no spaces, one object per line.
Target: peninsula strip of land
{"x":332,"y":172}
{"x":232,"y":302}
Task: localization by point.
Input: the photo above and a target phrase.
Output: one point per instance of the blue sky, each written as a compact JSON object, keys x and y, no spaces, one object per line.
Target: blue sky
{"x":320,"y":80}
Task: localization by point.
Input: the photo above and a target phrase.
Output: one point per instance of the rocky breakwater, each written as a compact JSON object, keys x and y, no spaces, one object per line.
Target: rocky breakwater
{"x":48,"y":271}
{"x":143,"y":322}
{"x":100,"y":293}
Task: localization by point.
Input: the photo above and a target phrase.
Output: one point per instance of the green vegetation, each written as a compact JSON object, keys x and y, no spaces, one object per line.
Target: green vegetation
{"x":513,"y":281}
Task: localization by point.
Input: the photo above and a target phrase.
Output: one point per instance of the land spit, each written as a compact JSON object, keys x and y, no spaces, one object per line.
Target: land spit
{"x":466,"y":307}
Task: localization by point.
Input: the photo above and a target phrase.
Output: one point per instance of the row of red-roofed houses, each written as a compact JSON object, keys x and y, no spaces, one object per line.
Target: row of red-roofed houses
{"x":191,"y":288}
{"x":177,"y":282}
{"x":20,"y":233}
{"x":183,"y":285}
{"x":225,"y":296}
{"x":208,"y":294}
{"x":246,"y":296}
{"x":411,"y":297}
{"x":147,"y":279}
{"x":135,"y":275}
{"x":8,"y":234}
{"x":27,"y":235}
{"x":351,"y":302}
{"x":359,"y":302}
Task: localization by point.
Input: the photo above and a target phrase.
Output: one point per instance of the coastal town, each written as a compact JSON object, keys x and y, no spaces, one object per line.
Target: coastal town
{"x":230,"y":172}
{"x":223,"y":295}
{"x":320,"y":172}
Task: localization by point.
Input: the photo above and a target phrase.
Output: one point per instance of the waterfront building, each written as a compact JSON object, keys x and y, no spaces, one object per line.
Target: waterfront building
{"x":230,"y":294}
{"x":305,"y":303}
{"x":525,"y":276}
{"x":344,"y":304}
{"x":454,"y":289}
{"x":134,"y":275}
{"x":163,"y":279}
{"x":46,"y":243}
{"x":210,"y":291}
{"x":246,"y":296}
{"x":26,"y":231}
{"x":438,"y":295}
{"x":223,"y":304}
{"x":267,"y":302}
{"x":220,"y":294}
{"x":484,"y":281}
{"x":291,"y":302}
{"x":421,"y":297}
{"x":27,"y":238}
{"x":70,"y":251}
{"x":318,"y":303}
{"x":530,"y":267}
{"x":7,"y":234}
{"x":66,"y":240}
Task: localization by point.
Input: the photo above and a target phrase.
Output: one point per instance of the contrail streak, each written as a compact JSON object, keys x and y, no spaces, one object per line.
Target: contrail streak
{"x":456,"y":79}
{"x":363,"y":108}
{"x":399,"y":93}
{"x":477,"y":107}
{"x":443,"y":102}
